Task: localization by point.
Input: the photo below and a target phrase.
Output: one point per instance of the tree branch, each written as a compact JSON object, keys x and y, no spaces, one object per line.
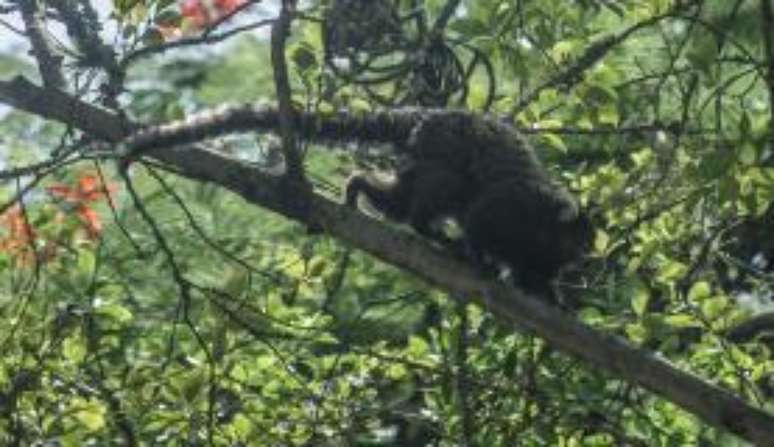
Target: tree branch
{"x":59,"y":106}
{"x":716,"y":406}
{"x":767,"y":22}
{"x":82,"y":24}
{"x":49,"y":63}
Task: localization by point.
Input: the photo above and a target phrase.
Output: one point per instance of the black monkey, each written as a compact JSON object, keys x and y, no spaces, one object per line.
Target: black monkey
{"x":484,"y":175}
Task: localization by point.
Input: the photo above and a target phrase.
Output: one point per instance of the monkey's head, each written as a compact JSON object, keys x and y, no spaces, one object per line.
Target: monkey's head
{"x":439,"y":136}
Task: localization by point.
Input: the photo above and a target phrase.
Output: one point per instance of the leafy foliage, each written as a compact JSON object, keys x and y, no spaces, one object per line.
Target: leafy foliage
{"x":248,"y":331}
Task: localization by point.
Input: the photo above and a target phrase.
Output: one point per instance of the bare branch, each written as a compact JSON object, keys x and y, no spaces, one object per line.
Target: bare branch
{"x":446,"y":14}
{"x":49,"y":62}
{"x":7,"y":25}
{"x":59,"y":106}
{"x":82,"y":25}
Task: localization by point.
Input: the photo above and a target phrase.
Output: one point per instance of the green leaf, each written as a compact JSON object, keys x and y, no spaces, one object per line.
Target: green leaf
{"x":682,"y":321}
{"x":643,"y":157}
{"x":395,"y":371}
{"x":553,"y":140}
{"x":74,"y":349}
{"x":637,"y":333}
{"x":192,"y":386}
{"x":166,"y":4}
{"x":168,"y":17}
{"x":670,"y":271}
{"x":608,"y":114}
{"x":360,"y":106}
{"x":640,"y":301}
{"x":115,"y":312}
{"x":699,"y":291}
{"x":317,"y":267}
{"x":417,"y":347}
{"x":86,"y":262}
{"x":242,"y":425}
{"x":124,"y":6}
{"x":90,"y":413}
{"x":563,"y":49}
{"x":714,"y":307}
{"x":265,"y":362}
{"x":601,"y":241}
{"x":703,"y":50}
{"x":748,"y":153}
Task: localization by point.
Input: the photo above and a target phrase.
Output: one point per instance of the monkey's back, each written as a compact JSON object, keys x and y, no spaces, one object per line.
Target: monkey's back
{"x":479,"y":148}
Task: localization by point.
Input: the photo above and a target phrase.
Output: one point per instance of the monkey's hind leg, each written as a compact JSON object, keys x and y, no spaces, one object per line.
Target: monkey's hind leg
{"x":439,"y":194}
{"x":392,"y":198}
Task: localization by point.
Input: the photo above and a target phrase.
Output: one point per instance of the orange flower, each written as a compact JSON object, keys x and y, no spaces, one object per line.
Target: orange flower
{"x":226,"y":7}
{"x":90,"y":220}
{"x":201,"y":13}
{"x":19,"y":235}
{"x":88,"y":189}
{"x":18,"y":228}
{"x":196,"y":12}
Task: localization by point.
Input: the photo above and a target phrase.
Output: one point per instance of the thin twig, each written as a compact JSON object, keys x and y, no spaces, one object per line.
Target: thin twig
{"x":767,"y":29}
{"x":205,"y":39}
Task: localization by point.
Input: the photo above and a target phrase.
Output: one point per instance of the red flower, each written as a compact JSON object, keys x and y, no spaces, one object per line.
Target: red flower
{"x":89,"y":189}
{"x":19,"y":235}
{"x":196,"y":12}
{"x":201,"y":13}
{"x":90,"y":220}
{"x":19,"y":231}
{"x":226,"y":7}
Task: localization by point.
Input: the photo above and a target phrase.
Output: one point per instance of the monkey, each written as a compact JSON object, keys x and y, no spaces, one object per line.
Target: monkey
{"x":486,"y":177}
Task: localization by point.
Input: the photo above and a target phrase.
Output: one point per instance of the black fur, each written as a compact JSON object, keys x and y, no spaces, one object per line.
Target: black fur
{"x":422,"y":194}
{"x":485,"y":176}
